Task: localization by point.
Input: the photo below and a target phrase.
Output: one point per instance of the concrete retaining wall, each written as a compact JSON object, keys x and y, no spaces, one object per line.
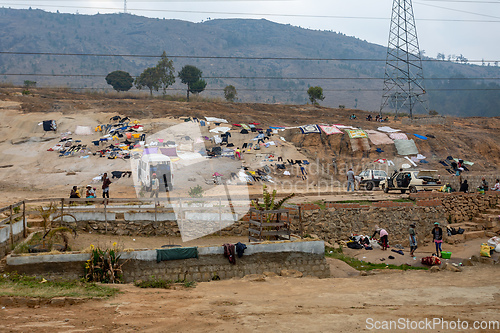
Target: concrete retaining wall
{"x":307,"y":257}
{"x":5,"y":233}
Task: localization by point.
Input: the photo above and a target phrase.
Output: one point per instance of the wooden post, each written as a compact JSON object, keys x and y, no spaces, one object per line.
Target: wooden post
{"x":11,"y":229}
{"x":105,"y":216}
{"x":301,"y":230}
{"x":62,"y":208}
{"x":25,"y":232}
{"x":220,"y":216}
{"x":179,"y":215}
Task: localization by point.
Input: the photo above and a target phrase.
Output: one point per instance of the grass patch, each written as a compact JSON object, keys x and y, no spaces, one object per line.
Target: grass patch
{"x":13,"y":284}
{"x":320,"y":203}
{"x":163,"y":284}
{"x":363,"y":265}
{"x":155,"y":283}
{"x":403,"y":200}
{"x":361,"y":202}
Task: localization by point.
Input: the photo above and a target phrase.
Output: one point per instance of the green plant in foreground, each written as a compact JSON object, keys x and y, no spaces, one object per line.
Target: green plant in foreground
{"x":163,"y":284}
{"x":363,"y":265}
{"x":155,"y":283}
{"x":196,"y":192}
{"x":103,"y":265}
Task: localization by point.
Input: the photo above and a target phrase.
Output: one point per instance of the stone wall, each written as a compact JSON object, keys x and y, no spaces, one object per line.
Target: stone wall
{"x":461,"y":207}
{"x":152,"y":228}
{"x":304,"y":256}
{"x":336,"y":224}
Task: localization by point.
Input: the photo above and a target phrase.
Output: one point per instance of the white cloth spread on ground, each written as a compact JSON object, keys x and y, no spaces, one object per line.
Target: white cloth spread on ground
{"x":220,"y":130}
{"x":387,"y":129}
{"x":398,"y":136}
{"x":216,"y":120}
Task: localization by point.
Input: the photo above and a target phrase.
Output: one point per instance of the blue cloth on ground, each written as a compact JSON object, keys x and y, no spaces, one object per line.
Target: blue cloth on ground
{"x":423,"y":161}
{"x":420,"y":136}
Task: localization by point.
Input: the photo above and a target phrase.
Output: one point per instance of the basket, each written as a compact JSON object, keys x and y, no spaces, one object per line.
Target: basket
{"x":445,"y":255}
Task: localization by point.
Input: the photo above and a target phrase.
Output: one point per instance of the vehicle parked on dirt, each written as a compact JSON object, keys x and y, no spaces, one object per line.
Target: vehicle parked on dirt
{"x":369,"y":179}
{"x":412,"y":180}
{"x":158,"y":164}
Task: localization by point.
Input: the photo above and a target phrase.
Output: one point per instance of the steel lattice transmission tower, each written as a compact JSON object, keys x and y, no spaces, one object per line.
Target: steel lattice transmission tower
{"x":404,"y":76}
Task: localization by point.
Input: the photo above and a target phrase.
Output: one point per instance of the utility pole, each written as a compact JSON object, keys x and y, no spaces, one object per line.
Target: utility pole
{"x":125,"y":6}
{"x":404,"y":77}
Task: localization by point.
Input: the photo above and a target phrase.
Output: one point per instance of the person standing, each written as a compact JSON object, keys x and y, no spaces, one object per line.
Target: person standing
{"x":238,"y":153}
{"x":413,"y":239}
{"x":155,"y":186}
{"x":384,"y":237}
{"x":350,"y":179}
{"x":437,"y":237}
{"x":105,"y":186}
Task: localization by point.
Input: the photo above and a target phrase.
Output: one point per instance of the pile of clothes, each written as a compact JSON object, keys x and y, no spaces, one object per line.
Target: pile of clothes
{"x":361,"y":242}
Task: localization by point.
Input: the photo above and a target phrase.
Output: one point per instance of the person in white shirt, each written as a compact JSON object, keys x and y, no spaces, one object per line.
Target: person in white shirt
{"x":497,"y":186}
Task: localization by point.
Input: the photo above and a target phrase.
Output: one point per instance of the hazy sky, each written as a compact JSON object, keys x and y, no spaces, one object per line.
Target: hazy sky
{"x":468,"y":27}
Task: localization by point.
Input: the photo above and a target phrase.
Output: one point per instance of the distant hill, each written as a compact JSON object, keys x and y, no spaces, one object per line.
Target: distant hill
{"x":123,"y":34}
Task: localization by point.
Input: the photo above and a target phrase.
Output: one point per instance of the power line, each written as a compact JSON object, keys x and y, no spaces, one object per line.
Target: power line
{"x":223,"y":57}
{"x":275,"y":90}
{"x":254,"y":14}
{"x":257,"y":77}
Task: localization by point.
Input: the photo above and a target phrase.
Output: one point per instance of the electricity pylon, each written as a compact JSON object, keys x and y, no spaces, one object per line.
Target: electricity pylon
{"x":404,"y":76}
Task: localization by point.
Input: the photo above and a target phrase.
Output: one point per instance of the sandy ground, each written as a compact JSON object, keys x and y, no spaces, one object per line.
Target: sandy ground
{"x":279,"y":305}
{"x":343,"y":303}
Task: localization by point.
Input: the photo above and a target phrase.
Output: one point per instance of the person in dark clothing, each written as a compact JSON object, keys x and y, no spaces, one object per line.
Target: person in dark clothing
{"x":437,"y":238}
{"x":464,"y":187}
{"x":413,"y":239}
{"x":105,"y":185}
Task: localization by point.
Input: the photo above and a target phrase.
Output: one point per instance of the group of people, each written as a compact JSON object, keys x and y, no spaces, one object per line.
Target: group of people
{"x":378,"y":118}
{"x":90,"y":192}
{"x":464,"y":186}
{"x":437,"y":238}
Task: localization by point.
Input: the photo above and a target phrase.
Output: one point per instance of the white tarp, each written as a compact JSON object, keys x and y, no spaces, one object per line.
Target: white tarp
{"x":83,"y":130}
{"x":216,"y":120}
{"x":388,"y":129}
{"x":220,"y":130}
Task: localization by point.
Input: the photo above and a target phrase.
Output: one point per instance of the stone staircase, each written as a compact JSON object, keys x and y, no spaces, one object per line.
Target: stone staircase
{"x":486,"y":224}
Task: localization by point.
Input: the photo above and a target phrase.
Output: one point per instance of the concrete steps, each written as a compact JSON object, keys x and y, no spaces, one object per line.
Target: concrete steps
{"x":474,"y":234}
{"x":468,"y":226}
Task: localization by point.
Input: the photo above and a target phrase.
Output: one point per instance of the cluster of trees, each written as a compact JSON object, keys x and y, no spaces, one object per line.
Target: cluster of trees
{"x":159,"y":77}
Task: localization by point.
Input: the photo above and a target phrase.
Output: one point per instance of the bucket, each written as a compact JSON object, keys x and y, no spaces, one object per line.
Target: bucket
{"x":445,"y":255}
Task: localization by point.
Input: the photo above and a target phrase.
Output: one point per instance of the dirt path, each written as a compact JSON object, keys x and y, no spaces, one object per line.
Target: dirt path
{"x":277,"y":305}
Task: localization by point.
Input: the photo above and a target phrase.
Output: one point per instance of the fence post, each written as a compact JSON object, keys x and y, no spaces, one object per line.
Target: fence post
{"x":301,"y":230}
{"x":62,"y":209}
{"x":105,"y":216}
{"x":25,"y":234}
{"x":11,"y":230}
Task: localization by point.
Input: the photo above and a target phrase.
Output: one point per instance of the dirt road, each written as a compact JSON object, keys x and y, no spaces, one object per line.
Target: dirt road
{"x":278,"y":305}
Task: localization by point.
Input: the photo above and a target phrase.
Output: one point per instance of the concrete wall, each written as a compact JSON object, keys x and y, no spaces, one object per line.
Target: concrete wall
{"x":5,"y":241}
{"x":307,"y":257}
